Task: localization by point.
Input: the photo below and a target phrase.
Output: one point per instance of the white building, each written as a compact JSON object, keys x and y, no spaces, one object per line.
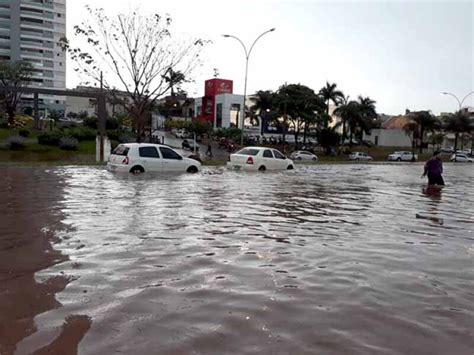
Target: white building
{"x":391,"y":134}
{"x":30,"y":30}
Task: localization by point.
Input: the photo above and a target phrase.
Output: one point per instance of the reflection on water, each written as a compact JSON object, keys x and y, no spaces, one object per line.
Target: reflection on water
{"x":326,"y":259}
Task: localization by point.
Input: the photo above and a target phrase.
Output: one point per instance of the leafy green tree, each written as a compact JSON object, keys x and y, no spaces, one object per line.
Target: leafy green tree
{"x":331,"y":93}
{"x":426,"y":122}
{"x":137,"y":54}
{"x":297,"y":105}
{"x":328,"y":137}
{"x":436,"y":139}
{"x":14,"y":77}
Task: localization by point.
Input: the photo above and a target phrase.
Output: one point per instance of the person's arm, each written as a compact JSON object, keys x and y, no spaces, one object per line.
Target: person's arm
{"x":425,"y":171}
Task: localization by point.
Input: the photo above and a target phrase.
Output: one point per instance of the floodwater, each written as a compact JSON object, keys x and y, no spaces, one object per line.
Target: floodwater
{"x":342,"y":259}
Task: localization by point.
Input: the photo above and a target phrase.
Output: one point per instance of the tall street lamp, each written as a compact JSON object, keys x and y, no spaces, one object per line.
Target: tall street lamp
{"x":247,"y":55}
{"x":460,"y":102}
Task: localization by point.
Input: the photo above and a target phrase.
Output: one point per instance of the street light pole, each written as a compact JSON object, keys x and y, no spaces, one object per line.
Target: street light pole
{"x":247,"y":56}
{"x":460,"y":102}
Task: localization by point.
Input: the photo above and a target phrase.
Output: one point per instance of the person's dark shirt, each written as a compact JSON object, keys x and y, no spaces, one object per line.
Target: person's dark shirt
{"x":434,"y":166}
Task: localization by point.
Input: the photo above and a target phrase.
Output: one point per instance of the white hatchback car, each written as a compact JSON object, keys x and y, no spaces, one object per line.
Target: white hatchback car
{"x":461,"y":158}
{"x":402,"y":156}
{"x":259,"y":158}
{"x":360,"y":156}
{"x":140,"y":157}
{"x":303,"y":155}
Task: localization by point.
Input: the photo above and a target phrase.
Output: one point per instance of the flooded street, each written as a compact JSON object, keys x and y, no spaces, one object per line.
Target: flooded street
{"x":326,"y":259}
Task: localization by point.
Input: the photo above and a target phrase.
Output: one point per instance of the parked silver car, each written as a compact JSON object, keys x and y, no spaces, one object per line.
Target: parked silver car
{"x":402,"y":156}
{"x":360,"y":156}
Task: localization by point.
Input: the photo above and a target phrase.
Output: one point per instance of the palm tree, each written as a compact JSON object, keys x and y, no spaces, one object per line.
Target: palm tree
{"x":262,"y":105}
{"x":412,"y":130}
{"x":330,"y":93}
{"x":427,"y":123}
{"x":458,"y":123}
{"x":174,"y":78}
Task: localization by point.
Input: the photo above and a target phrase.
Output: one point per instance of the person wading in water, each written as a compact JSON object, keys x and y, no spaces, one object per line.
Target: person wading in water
{"x":434,"y":170}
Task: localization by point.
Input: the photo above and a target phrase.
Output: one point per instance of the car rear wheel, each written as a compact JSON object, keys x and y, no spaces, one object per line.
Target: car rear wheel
{"x":262,"y":168}
{"x":290,"y":167}
{"x":314,"y":159}
{"x":299,"y":158}
{"x":137,"y":169}
{"x":192,"y":170}
{"x":357,"y":159}
{"x":399,"y":159}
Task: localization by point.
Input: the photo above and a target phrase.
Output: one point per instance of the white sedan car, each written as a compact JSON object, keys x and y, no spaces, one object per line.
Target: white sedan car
{"x":360,"y":156}
{"x":303,"y":155}
{"x":259,"y":159}
{"x":402,"y":156}
{"x":461,"y":158}
{"x":140,"y":157}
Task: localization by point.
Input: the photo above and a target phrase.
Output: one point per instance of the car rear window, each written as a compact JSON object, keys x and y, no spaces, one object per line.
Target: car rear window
{"x":247,"y":151}
{"x":121,"y":150}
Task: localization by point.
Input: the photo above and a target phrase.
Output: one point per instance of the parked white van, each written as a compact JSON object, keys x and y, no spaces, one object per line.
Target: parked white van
{"x":140,"y":157}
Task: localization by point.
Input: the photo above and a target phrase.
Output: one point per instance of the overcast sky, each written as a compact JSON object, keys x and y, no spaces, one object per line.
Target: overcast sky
{"x":402,"y":54}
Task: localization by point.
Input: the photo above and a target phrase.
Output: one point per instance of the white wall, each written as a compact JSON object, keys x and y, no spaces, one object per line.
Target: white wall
{"x":389,"y":138}
{"x":227,"y":100}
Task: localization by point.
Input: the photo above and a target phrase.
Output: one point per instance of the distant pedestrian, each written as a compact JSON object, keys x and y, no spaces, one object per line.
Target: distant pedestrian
{"x":209,"y":150}
{"x":434,"y":170}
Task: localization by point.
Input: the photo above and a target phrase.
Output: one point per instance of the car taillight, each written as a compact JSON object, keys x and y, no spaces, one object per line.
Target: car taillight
{"x":125,"y":161}
{"x":250,"y":160}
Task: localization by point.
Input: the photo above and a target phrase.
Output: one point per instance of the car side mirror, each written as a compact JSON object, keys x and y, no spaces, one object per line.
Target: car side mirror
{"x":180,"y":158}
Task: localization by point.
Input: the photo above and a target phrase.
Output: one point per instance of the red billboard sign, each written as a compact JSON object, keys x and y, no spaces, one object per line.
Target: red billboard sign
{"x":218,"y":86}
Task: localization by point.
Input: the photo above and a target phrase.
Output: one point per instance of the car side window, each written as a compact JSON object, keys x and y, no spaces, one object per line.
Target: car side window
{"x":278,"y":155}
{"x":267,"y":154}
{"x":148,"y":152}
{"x":168,"y":153}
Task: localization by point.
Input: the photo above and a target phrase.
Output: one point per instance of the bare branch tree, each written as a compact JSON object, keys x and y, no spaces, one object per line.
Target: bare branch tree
{"x":137,"y":55}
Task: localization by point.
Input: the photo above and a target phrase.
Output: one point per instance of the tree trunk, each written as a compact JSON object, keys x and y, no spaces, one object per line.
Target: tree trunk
{"x":456,"y":142}
{"x":344,"y":130}
{"x":304,"y":133}
{"x":350,"y":139}
{"x":422,"y":132}
{"x":11,"y":117}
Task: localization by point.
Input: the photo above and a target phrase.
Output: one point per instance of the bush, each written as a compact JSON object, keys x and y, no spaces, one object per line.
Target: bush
{"x":81,"y":133}
{"x":90,"y":122}
{"x":16,"y":143}
{"x":24,"y":133}
{"x":68,"y":143}
{"x":119,"y":135}
{"x":50,"y":138}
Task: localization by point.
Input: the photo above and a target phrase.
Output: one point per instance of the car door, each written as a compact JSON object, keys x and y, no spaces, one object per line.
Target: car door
{"x":172,"y":161}
{"x":280,"y":160}
{"x":150,"y":158}
{"x":268,"y":159}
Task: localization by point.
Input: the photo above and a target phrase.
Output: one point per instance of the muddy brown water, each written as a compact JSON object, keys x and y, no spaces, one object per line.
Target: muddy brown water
{"x":348,"y":259}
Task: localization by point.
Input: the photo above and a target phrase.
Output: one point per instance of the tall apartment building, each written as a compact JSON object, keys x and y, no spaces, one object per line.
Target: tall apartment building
{"x":30,"y":30}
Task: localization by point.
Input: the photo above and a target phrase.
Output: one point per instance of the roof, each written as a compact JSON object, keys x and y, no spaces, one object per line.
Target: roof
{"x":397,"y":122}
